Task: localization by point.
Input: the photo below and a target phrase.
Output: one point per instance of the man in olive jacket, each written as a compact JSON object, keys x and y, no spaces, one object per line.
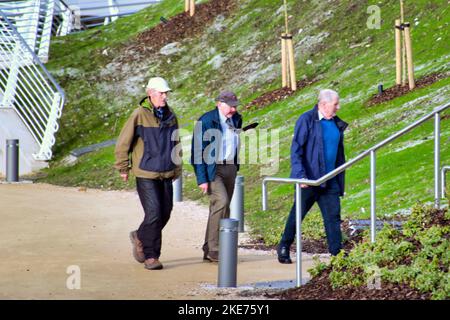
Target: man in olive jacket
{"x":151,"y":136}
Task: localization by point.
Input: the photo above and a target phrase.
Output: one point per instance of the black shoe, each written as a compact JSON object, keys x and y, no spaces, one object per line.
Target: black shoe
{"x":212,"y":256}
{"x":283,"y":255}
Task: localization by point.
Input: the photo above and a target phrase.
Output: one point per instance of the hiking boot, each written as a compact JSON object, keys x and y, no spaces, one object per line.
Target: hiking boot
{"x":212,"y":256}
{"x":283,"y":255}
{"x":153,"y":264}
{"x":138,"y":249}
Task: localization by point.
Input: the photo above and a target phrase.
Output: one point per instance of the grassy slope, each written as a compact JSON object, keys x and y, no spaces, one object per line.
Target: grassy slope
{"x":345,"y":55}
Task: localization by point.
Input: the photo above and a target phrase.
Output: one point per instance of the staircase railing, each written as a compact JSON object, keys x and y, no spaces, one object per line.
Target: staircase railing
{"x":27,"y":86}
{"x":105,"y":12}
{"x":372,"y":153}
{"x":33,"y":19}
{"x":63,"y":19}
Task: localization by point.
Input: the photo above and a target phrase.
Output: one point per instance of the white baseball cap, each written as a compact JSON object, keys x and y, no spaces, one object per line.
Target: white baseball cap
{"x":159,"y":84}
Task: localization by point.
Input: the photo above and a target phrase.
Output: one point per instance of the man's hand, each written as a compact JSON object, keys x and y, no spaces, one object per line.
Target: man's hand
{"x":124,"y":176}
{"x":204,"y":187}
{"x":304,"y":186}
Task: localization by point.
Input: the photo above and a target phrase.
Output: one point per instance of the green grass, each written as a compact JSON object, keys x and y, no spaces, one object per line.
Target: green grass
{"x":351,"y":59}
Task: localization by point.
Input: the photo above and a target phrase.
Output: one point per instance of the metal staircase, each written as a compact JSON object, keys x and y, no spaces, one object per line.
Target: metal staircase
{"x":33,"y":21}
{"x":29,"y":96}
{"x":31,"y":101}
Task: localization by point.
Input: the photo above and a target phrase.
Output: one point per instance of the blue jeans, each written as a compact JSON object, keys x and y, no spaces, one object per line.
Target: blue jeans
{"x":330,"y":206}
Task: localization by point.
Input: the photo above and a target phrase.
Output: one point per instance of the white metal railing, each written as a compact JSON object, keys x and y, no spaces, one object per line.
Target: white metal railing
{"x":64,"y":19}
{"x":103,"y":12}
{"x":27,"y":86}
{"x":372,"y":153}
{"x":38,"y":20}
{"x":33,"y":19}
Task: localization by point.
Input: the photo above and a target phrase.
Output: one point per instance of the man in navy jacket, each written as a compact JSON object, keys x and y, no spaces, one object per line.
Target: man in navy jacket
{"x":318,"y":148}
{"x":215,"y":147}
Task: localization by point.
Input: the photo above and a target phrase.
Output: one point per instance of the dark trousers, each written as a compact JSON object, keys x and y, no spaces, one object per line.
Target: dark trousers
{"x":330,"y":206}
{"x":157,"y":200}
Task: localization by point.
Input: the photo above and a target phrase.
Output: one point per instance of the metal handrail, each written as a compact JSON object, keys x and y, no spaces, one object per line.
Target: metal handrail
{"x":102,"y":17}
{"x":36,"y":60}
{"x":114,"y":12}
{"x":372,"y":152}
{"x":29,"y":88}
{"x":119,"y":5}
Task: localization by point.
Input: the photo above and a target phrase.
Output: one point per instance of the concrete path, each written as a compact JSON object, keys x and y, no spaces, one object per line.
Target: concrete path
{"x":48,"y":232}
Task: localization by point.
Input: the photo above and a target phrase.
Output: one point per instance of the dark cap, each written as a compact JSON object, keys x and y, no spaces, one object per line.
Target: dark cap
{"x":229,"y":98}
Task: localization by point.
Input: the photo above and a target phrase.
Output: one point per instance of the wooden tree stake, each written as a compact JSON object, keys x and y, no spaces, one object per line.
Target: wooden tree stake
{"x":192,"y":8}
{"x":409,"y":56}
{"x":398,"y":52}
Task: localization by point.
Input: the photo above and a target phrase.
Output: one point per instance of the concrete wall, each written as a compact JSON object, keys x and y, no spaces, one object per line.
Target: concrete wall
{"x":12,"y":127}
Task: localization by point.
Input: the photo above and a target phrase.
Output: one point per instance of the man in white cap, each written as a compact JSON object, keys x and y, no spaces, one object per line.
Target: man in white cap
{"x":150,"y":135}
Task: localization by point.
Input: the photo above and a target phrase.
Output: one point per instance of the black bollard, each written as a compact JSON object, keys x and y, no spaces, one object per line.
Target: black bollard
{"x":380,"y":89}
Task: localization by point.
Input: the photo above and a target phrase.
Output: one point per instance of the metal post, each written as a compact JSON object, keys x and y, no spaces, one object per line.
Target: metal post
{"x":228,"y":241}
{"x":67,"y":21}
{"x":373,"y":199}
{"x":237,"y":202}
{"x":113,"y":11}
{"x":12,"y":160}
{"x":298,"y":219}
{"x":76,"y":17}
{"x":264,"y":196}
{"x":178,"y":189}
{"x":437,"y":165}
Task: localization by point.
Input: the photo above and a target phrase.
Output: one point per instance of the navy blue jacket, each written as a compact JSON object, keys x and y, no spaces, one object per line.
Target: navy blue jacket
{"x":205,"y":166}
{"x":307,"y":155}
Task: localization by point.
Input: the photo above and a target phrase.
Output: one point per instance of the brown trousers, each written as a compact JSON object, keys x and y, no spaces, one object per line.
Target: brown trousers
{"x":220,"y":192}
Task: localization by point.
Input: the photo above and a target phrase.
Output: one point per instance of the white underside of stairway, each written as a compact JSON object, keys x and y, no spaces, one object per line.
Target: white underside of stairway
{"x":12,"y":127}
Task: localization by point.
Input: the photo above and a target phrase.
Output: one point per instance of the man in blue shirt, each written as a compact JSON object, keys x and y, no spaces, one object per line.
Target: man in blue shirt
{"x":318,"y":148}
{"x":215,"y":146}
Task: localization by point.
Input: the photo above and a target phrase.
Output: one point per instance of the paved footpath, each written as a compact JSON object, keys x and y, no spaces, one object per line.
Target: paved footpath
{"x":49,"y":233}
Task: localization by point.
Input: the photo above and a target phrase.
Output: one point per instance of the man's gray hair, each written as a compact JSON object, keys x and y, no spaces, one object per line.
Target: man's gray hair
{"x":327,"y":95}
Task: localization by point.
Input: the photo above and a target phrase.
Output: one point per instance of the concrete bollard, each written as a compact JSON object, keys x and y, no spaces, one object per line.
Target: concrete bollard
{"x":228,"y":241}
{"x":178,"y":189}
{"x":237,"y":202}
{"x":12,"y":160}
